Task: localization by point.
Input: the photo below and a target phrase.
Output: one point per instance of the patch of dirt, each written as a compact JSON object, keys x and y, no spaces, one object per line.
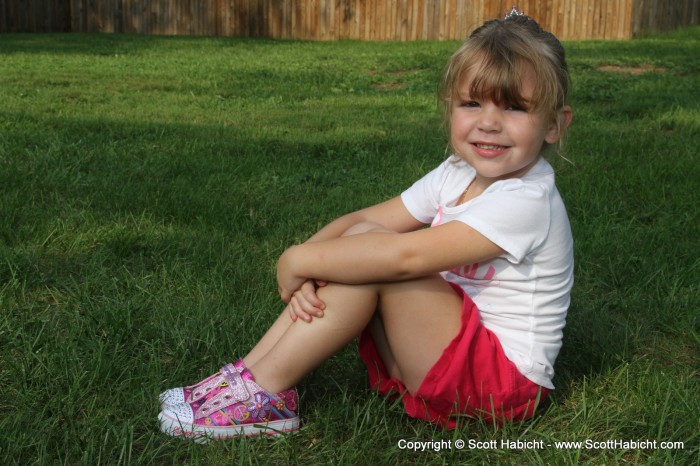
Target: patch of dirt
{"x":396,"y":74}
{"x":634,"y":70}
{"x":395,"y":83}
{"x":390,"y":86}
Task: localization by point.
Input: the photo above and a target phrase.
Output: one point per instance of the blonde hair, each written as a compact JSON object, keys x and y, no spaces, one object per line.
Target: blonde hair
{"x":497,"y":55}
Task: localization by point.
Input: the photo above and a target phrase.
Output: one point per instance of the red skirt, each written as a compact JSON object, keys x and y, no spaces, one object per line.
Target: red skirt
{"x":472,"y":379}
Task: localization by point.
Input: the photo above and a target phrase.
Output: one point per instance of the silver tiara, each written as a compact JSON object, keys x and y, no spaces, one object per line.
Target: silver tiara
{"x":513,"y":13}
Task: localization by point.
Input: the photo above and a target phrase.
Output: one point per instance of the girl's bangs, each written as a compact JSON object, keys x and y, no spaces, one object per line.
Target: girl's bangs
{"x":498,"y":80}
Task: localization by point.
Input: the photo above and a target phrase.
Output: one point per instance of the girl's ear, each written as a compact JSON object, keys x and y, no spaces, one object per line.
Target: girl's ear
{"x":556,"y":130}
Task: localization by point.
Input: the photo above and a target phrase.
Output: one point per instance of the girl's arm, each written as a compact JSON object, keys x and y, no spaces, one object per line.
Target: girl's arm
{"x":380,"y":256}
{"x":391,"y":214}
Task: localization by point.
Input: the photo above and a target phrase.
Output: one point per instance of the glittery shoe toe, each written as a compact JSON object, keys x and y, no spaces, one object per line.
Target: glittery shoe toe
{"x":194,"y":393}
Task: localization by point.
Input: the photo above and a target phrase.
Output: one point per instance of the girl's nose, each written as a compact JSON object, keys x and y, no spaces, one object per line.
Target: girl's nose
{"x":489,"y":118}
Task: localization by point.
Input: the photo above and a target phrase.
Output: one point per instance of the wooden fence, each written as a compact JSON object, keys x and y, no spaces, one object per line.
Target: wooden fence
{"x":343,"y":19}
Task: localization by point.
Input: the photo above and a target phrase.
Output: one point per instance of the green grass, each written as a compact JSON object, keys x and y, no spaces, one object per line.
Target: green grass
{"x":148,"y":184}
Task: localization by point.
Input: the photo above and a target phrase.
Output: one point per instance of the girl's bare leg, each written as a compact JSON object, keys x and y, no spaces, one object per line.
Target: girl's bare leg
{"x":419,"y":319}
{"x":265,"y":344}
{"x":304,"y":346}
{"x":283,"y":322}
{"x":376,"y":328}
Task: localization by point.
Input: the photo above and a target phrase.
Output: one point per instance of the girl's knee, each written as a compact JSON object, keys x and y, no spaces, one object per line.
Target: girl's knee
{"x":366,"y":227}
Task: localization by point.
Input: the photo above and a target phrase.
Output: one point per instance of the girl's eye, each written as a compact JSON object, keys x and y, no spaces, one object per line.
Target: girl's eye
{"x":516,"y":108}
{"x":470,"y":104}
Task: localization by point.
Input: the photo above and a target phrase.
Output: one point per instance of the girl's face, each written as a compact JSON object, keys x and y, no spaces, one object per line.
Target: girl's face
{"x":501,"y":140}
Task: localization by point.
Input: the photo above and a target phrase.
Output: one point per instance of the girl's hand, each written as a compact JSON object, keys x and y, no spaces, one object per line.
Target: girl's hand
{"x":288,"y":282}
{"x":305,"y":303}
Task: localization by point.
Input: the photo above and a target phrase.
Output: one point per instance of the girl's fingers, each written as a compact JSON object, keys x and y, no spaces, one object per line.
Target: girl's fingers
{"x":308,"y":291}
{"x":292,"y":314}
{"x":302,"y":309}
{"x":305,"y":303}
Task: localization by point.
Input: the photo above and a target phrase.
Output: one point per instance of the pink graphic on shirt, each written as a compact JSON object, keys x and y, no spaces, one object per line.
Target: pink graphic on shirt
{"x":471,"y":272}
{"x":438,"y":218}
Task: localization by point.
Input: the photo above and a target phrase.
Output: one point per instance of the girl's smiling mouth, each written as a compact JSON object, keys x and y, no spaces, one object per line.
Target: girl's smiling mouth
{"x":489,"y":146}
{"x":489,"y":151}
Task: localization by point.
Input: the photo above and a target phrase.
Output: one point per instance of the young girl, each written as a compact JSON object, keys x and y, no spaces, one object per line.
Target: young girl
{"x":463,"y":319}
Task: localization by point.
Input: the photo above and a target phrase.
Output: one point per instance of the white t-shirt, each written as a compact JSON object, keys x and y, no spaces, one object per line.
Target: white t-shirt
{"x":522,"y":295}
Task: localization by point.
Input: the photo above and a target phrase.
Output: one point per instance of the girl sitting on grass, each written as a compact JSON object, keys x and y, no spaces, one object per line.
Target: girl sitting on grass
{"x":463,"y":319}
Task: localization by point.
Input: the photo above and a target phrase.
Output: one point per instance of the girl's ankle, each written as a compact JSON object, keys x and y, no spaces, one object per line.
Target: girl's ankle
{"x":264,"y":380}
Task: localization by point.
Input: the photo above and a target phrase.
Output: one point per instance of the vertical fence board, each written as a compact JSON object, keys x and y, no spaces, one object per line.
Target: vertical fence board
{"x":24,"y":16}
{"x":161,"y":17}
{"x":325,"y":12}
{"x":555,"y":22}
{"x":29,"y":16}
{"x":590,"y":19}
{"x":414,"y":18}
{"x":241,"y":9}
{"x":351,"y":18}
{"x":582,"y":15}
{"x":281,"y":11}
{"x":621,"y":15}
{"x":354,"y":10}
{"x":460,"y":31}
{"x":565,"y":12}
{"x":140,"y":14}
{"x":550,"y":15}
{"x":380,"y":13}
{"x":615,"y":32}
{"x":397,"y":18}
{"x":6,"y":16}
{"x":450,"y":8}
{"x":74,"y":16}
{"x":194,"y":16}
{"x":371,"y":12}
{"x":135,"y":16}
{"x":167,"y":20}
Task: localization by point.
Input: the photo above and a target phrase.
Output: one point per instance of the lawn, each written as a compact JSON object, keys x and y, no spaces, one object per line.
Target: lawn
{"x":148,"y":185}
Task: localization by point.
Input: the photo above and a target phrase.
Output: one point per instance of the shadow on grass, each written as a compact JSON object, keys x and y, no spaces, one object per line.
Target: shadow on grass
{"x":101,"y":44}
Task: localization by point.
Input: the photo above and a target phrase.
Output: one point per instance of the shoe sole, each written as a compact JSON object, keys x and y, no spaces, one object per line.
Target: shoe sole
{"x":202,"y":434}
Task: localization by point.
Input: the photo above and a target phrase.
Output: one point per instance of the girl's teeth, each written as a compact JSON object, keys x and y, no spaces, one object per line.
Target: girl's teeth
{"x":489,"y":146}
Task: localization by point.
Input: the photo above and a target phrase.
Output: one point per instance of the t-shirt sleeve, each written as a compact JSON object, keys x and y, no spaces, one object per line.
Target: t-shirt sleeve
{"x":422,"y":198}
{"x":515,"y":216}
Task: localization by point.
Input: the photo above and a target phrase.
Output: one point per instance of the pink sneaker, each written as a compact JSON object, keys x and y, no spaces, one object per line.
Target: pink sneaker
{"x":237,"y":408}
{"x":193,"y":393}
